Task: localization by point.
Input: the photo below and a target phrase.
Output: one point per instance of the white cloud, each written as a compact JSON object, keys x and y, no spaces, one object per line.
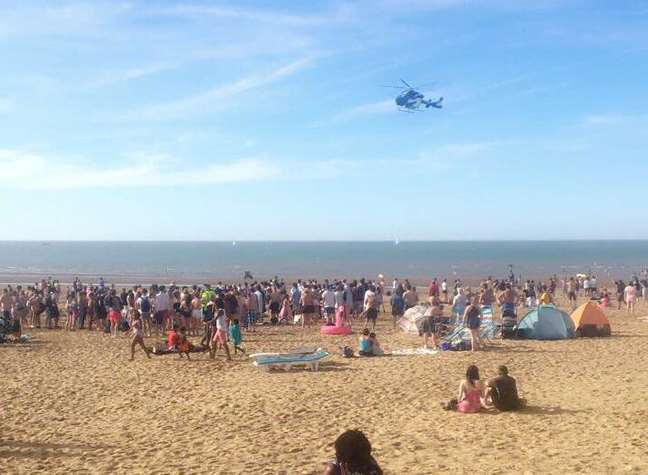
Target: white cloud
{"x":32,"y":171}
{"x":212,"y":99}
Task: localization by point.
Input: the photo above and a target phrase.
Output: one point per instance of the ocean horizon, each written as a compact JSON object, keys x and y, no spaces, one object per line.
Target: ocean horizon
{"x":419,"y":260}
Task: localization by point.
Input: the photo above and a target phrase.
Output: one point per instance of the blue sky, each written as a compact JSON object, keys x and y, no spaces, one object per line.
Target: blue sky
{"x":182,"y":120}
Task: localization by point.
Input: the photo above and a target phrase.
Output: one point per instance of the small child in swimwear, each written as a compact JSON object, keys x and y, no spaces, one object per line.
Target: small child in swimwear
{"x":235,"y":336}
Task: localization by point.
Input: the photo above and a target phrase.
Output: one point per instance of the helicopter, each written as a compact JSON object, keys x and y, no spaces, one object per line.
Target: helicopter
{"x":410,"y":100}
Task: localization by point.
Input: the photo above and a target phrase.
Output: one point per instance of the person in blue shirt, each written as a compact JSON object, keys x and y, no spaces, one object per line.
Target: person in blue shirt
{"x":235,"y":336}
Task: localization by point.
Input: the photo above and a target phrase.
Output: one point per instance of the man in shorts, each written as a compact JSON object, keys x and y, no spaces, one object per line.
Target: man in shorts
{"x":308,"y":306}
{"x":370,"y":307}
{"x":328,"y":297}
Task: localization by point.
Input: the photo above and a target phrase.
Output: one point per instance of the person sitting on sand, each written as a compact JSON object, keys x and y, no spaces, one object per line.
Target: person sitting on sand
{"x":353,"y":456}
{"x":184,"y":345}
{"x":173,"y":339}
{"x":376,"y":349}
{"x":471,"y":393}
{"x":365,"y":344}
{"x":604,"y":302}
{"x":502,"y":391}
{"x":138,"y":334}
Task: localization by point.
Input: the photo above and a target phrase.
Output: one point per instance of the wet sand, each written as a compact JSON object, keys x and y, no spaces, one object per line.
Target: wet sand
{"x":72,"y":403}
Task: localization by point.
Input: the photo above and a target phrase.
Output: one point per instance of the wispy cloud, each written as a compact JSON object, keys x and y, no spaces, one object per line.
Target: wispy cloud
{"x":274,"y":17}
{"x":210,"y":99}
{"x":613,"y":119}
{"x":65,"y":20}
{"x":129,"y":74}
{"x":33,"y":171}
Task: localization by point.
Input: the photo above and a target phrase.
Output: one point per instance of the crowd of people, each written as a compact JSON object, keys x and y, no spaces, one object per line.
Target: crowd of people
{"x":211,"y":311}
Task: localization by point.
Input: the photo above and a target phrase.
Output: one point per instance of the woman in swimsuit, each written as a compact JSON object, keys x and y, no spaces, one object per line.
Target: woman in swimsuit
{"x":471,"y":393}
{"x":472,"y":320}
{"x":138,"y":335}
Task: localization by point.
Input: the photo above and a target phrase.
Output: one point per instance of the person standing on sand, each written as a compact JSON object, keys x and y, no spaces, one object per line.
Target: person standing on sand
{"x":308,"y":306}
{"x":620,"y":290}
{"x":162,"y":306}
{"x":370,"y":306}
{"x":630,"y":296}
{"x":571,"y":291}
{"x":138,"y":334}
{"x":472,"y":320}
{"x":410,"y":297}
{"x":295,"y":298}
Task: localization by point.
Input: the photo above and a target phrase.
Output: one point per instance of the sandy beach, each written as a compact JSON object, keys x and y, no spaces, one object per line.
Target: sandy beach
{"x":72,"y":403}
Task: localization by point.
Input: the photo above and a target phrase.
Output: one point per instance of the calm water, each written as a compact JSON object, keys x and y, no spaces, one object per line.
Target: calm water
{"x":321,"y":259}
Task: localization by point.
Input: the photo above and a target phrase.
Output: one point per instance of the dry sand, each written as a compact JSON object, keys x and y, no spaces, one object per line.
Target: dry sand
{"x":72,"y":403}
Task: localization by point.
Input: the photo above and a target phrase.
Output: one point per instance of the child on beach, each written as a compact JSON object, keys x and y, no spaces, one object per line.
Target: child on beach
{"x":138,"y":334}
{"x":235,"y":336}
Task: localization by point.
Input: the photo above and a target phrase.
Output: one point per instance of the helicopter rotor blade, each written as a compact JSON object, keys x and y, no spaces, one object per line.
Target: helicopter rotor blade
{"x":404,"y":82}
{"x":393,"y":87}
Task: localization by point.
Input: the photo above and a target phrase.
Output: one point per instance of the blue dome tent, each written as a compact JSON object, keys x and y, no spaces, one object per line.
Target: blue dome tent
{"x":546,"y":322}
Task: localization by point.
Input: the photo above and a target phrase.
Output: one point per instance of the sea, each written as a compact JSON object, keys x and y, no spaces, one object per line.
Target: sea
{"x":201,"y":262}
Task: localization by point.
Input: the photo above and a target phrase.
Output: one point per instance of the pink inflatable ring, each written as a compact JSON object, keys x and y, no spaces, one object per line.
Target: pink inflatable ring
{"x":333,"y":330}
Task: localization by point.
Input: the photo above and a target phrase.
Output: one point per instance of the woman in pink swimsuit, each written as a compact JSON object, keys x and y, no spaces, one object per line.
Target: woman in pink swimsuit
{"x":471,"y":393}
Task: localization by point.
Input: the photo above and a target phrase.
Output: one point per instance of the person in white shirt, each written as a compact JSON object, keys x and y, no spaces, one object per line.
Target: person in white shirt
{"x":220,"y":335}
{"x":161,"y":304}
{"x":328,"y":299}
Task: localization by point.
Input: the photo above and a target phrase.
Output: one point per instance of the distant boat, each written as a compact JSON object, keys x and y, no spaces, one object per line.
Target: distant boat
{"x":396,"y":242}
{"x":233,"y":243}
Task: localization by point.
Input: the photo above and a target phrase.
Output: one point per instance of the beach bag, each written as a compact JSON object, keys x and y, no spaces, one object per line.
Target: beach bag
{"x":347,"y":352}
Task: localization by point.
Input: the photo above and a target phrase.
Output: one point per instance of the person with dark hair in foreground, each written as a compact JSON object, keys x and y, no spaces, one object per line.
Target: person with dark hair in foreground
{"x":353,"y":456}
{"x":502,"y":391}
